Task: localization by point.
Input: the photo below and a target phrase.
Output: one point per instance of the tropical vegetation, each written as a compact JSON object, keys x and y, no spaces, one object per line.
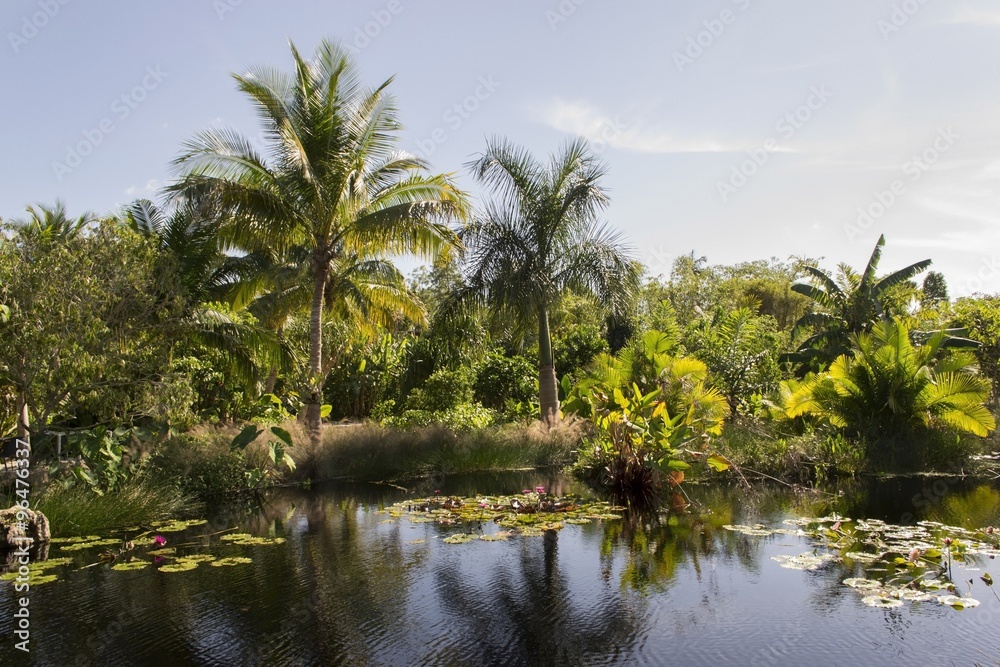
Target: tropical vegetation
{"x":222,"y":339}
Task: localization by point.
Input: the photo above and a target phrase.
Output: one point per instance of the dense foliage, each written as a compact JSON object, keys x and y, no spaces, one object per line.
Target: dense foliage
{"x":263,"y":291}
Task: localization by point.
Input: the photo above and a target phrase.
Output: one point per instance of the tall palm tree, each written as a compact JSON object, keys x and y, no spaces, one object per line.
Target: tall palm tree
{"x":332,"y":182}
{"x":539,"y":237}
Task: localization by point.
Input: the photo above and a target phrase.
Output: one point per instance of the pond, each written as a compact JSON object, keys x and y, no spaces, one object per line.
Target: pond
{"x":344,"y":577}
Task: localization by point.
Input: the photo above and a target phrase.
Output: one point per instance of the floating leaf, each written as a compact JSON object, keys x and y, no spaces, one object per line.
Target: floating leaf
{"x":882,"y":602}
{"x":957,"y":602}
{"x":168,"y":551}
{"x":180,"y":566}
{"x":130,"y":566}
{"x":234,"y":560}
{"x":196,"y":558}
{"x":459,"y":538}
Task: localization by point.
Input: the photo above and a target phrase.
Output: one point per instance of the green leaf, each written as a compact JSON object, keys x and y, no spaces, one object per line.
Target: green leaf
{"x":362,"y":365}
{"x":246,"y":436}
{"x":987,"y":579}
{"x":272,"y":398}
{"x":677,"y":465}
{"x":281,"y":433}
{"x":325,"y":410}
{"x":718,"y":462}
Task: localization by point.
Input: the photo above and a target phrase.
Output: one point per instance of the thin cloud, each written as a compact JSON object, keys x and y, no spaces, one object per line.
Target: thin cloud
{"x":625,"y":133}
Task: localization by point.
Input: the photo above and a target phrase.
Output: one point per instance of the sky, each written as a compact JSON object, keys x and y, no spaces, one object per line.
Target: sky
{"x":737,"y":129}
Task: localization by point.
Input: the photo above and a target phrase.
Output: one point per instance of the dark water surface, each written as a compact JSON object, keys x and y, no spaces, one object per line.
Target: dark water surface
{"x":352,"y":587}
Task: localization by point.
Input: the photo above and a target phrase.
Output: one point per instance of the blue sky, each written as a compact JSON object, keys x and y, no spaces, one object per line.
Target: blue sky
{"x":740,"y":129}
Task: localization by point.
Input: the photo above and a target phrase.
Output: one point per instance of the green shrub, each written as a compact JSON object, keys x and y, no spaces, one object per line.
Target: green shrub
{"x":444,"y":390}
{"x":503,"y":382}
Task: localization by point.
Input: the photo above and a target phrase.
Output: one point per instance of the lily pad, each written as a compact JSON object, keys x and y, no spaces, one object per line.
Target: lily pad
{"x":131,"y":565}
{"x":882,"y":602}
{"x":233,"y":560}
{"x":180,"y":566}
{"x":459,"y":538}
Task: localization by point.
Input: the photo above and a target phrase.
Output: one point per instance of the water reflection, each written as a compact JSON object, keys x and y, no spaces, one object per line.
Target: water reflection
{"x":352,"y":586}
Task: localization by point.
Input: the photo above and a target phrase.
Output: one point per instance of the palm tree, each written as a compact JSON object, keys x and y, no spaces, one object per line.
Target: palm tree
{"x":852,"y":305}
{"x":888,"y":386}
{"x":188,"y":237}
{"x":332,"y":183}
{"x":52,"y":223}
{"x":539,"y":237}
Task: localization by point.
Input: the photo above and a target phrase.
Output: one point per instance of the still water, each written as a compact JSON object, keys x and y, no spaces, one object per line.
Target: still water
{"x":352,"y":586}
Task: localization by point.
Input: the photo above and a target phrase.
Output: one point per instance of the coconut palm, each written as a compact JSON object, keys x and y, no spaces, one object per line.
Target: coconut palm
{"x":332,"y":183}
{"x":539,"y":237}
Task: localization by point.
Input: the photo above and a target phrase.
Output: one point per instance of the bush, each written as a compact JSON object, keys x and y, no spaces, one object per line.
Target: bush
{"x":444,"y":390}
{"x":463,"y":417}
{"x":505,"y":381}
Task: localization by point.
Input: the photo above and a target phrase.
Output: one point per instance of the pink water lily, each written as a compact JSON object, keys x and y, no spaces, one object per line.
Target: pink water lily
{"x":539,"y":489}
{"x":525,"y":491}
{"x":159,"y":540}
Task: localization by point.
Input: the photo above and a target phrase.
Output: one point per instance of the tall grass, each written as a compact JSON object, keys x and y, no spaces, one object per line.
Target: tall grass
{"x":79,"y":511}
{"x":370,"y":452}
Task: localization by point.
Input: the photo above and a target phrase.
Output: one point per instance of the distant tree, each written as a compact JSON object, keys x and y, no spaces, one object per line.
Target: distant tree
{"x":934,"y":292}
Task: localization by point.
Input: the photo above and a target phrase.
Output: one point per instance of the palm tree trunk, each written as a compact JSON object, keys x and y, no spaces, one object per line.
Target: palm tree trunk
{"x":23,"y":421}
{"x":548,"y":391}
{"x":314,"y":399}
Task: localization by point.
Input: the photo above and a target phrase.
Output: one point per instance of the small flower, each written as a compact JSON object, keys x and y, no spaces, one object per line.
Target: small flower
{"x":525,"y":492}
{"x":540,"y":489}
{"x":159,"y":540}
{"x":835,"y":527}
{"x":947,"y":541}
{"x":914,"y":554}
{"x":989,"y":531}
{"x":437,"y":492}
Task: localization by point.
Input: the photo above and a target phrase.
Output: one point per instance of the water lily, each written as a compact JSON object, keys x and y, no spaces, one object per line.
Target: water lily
{"x":540,"y":489}
{"x":915,"y":554}
{"x":159,"y":540}
{"x":525,"y":492}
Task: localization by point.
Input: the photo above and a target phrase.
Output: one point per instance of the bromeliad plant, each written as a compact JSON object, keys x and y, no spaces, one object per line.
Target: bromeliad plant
{"x":645,"y":433}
